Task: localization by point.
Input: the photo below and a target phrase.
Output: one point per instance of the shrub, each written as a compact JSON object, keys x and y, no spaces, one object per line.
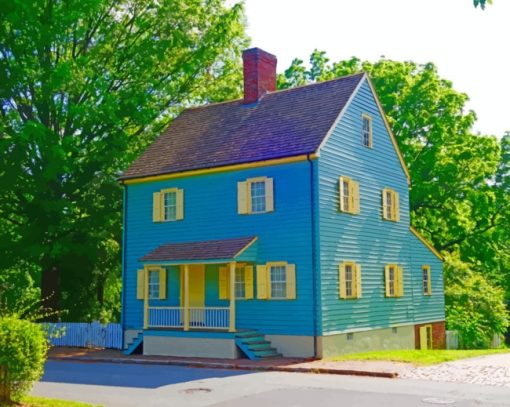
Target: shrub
{"x":23,"y":349}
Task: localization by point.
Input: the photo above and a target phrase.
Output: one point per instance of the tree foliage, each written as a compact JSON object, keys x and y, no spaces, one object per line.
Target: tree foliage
{"x":85,"y":85}
{"x":481,"y":3}
{"x":460,"y":180}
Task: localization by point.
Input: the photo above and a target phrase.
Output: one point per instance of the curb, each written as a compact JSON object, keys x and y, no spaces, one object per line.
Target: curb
{"x":230,"y":366}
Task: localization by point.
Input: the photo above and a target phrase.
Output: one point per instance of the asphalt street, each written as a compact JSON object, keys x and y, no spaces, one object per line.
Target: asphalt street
{"x":156,"y":385}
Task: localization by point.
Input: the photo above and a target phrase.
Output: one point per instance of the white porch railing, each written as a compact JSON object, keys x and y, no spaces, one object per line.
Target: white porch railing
{"x":196,"y":318}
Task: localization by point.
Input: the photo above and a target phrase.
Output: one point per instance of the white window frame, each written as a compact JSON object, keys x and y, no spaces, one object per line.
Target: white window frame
{"x":240,"y":282}
{"x":283,"y":282}
{"x":261,"y":186}
{"x":366,"y":133}
{"x":164,"y":206}
{"x":154,"y":288}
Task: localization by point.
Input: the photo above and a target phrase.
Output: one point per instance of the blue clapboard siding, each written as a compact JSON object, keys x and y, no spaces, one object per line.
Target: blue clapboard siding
{"x":77,"y":334}
{"x":210,"y":212}
{"x":364,"y":238}
{"x":427,"y":308}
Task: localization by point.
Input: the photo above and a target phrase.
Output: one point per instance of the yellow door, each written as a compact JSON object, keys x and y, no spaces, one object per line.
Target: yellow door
{"x":426,"y":337}
{"x":196,"y":293}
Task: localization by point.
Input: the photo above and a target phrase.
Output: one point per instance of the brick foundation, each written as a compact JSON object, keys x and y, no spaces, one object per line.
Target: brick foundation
{"x":438,"y":335}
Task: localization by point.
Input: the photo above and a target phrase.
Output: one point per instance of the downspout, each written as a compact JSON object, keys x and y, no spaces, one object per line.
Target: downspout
{"x":124,"y":238}
{"x":314,"y":259}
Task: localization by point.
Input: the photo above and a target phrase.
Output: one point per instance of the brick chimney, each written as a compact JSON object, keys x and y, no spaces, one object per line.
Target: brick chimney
{"x":259,"y":74}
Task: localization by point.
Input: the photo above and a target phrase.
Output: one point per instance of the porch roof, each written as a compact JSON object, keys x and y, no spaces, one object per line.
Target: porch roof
{"x":209,"y":250}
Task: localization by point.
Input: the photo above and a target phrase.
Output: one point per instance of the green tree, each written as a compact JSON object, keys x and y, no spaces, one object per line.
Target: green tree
{"x":481,"y":3}
{"x":458,"y":198}
{"x":85,"y":85}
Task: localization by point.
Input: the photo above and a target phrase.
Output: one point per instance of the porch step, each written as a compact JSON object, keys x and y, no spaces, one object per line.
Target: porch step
{"x":135,"y":343}
{"x":255,"y":346}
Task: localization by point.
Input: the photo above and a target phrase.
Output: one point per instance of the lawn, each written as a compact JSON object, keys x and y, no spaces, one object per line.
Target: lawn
{"x":419,"y":357}
{"x":44,"y":402}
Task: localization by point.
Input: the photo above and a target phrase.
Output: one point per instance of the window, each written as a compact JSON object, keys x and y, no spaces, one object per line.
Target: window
{"x":393,"y":275}
{"x":156,"y":283}
{"x":153,"y":284}
{"x":240,"y":283}
{"x":258,"y":196}
{"x":366,"y":132}
{"x":349,"y":195}
{"x":168,"y":205}
{"x":276,"y":280}
{"x":427,"y":286}
{"x":390,"y":205}
{"x":349,"y":278}
{"x":255,"y":195}
{"x":243,"y":282}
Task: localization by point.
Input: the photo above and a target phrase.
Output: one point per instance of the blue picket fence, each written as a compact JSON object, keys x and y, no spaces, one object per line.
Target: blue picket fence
{"x":85,"y":335}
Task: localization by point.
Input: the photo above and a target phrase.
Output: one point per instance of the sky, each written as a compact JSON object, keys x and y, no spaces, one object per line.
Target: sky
{"x":469,"y":46}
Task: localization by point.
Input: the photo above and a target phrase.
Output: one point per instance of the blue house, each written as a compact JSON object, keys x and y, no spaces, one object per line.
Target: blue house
{"x":277,"y":224}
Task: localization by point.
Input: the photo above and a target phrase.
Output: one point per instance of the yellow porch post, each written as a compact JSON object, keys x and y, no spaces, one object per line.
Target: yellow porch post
{"x":186,"y":297}
{"x":145,"y":298}
{"x":232,"y":275}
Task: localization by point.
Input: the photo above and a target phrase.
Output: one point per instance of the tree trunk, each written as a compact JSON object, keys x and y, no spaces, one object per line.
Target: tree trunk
{"x":50,"y":293}
{"x":5,"y":389}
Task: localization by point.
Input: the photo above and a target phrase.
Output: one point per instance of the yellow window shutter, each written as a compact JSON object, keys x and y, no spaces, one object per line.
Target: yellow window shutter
{"x":384,"y":207}
{"x":224,"y":283}
{"x":341,"y":194}
{"x":396,"y":210}
{"x":156,"y":207}
{"x":262,"y":287}
{"x":358,"y":281}
{"x":399,"y":286}
{"x":179,"y":211}
{"x":290,"y":271}
{"x":162,"y":284}
{"x":269,"y":195}
{"x":387,"y":280}
{"x":140,"y":286}
{"x":341,"y":281}
{"x":355,"y":196}
{"x":242,"y":198}
{"x":248,"y":282}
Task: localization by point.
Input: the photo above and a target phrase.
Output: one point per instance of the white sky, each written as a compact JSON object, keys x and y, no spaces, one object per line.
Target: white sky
{"x":469,"y":46}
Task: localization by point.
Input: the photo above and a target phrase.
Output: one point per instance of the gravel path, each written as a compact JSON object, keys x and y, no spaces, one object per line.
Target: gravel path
{"x":492,"y":370}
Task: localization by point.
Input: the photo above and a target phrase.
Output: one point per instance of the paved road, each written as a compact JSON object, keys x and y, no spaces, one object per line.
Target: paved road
{"x":152,"y":385}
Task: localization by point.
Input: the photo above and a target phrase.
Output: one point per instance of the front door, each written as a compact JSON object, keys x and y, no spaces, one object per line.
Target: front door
{"x":196,"y":293}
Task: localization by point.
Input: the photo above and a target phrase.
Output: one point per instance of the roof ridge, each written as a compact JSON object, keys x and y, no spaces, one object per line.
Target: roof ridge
{"x":361,"y":73}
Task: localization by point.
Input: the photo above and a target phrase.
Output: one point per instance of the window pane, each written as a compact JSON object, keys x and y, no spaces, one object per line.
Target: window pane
{"x":153,"y":284}
{"x":278,"y":282}
{"x":425,"y":280}
{"x":389,"y":200}
{"x":258,"y":196}
{"x":366,"y":131}
{"x":345,"y":197}
{"x":239,"y":283}
{"x":348,"y":280}
{"x":170,"y":205}
{"x":392,"y":280}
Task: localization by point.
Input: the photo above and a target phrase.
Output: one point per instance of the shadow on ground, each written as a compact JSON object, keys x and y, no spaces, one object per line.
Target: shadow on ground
{"x":128,"y":375}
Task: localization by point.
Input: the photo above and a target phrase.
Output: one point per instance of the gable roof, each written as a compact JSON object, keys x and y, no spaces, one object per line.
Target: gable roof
{"x":281,"y":124}
{"x":206,"y":250}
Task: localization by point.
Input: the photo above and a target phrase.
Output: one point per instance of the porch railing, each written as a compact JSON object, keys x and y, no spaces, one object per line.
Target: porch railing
{"x":194,"y":318}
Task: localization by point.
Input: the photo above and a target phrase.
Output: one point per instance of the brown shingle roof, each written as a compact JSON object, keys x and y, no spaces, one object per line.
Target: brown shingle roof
{"x":282,"y":124}
{"x":207,"y":250}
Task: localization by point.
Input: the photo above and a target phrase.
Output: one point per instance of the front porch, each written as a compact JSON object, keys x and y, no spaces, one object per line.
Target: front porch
{"x":192,"y":313}
{"x":194,"y":286}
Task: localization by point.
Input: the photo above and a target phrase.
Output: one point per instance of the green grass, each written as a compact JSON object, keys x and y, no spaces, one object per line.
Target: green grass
{"x":30,"y":401}
{"x":419,"y":357}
